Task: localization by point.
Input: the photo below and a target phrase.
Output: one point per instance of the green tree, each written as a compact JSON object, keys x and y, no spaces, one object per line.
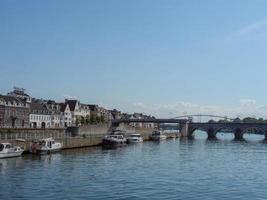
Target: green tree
{"x":98,"y":119}
{"x":87,"y":119}
{"x":93,"y":118}
{"x":102,"y":119}
{"x":250,"y":120}
{"x":78,"y":120}
{"x":82,"y":120}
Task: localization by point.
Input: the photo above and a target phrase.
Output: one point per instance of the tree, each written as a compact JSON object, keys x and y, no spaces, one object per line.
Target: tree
{"x":98,"y":119}
{"x":250,"y":120}
{"x":212,"y":121}
{"x":93,"y":118}
{"x":78,"y":120}
{"x":82,"y":120}
{"x":237,"y":120}
{"x":261,"y":120}
{"x":87,"y":119}
{"x":102,"y":119}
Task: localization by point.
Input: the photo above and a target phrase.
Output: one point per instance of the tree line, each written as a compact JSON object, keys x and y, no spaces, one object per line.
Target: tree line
{"x":92,"y":119}
{"x":238,"y":120}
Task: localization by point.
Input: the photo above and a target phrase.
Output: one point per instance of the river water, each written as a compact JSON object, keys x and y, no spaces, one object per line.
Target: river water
{"x":172,"y":169}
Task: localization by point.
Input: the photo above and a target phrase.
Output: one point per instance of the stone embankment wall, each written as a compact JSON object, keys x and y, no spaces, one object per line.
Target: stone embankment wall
{"x":75,"y":137}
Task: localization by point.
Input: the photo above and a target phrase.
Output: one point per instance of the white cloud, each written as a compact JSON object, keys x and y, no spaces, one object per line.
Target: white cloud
{"x":139,"y":104}
{"x":252,"y":27}
{"x":69,"y":97}
{"x":247,"y":102}
{"x":188,"y":104}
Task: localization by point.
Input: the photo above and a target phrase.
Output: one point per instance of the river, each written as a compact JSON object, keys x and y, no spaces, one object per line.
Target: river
{"x":172,"y":169}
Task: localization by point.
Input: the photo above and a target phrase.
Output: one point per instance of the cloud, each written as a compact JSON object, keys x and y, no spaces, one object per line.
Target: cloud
{"x":188,"y":104}
{"x":69,"y":97}
{"x":246,"y":108}
{"x":139,"y":104}
{"x":252,"y":28}
{"x":247,"y":102}
{"x":262,"y":107}
{"x":248,"y":30}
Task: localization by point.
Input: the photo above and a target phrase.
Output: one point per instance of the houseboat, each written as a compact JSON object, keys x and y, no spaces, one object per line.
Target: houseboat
{"x":8,"y":151}
{"x":157,"y":136}
{"x":134,"y":138}
{"x":45,"y":146}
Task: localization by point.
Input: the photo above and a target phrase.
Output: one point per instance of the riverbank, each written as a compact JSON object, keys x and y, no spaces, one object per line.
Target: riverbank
{"x":81,"y":137}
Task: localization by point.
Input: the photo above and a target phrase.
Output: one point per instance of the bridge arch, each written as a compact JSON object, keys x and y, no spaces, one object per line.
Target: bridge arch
{"x":254,"y":133}
{"x":260,"y":130}
{"x":225,"y":133}
{"x":198,"y":133}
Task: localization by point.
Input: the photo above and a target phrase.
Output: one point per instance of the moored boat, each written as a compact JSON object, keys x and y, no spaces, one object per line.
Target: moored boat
{"x":157,"y":136}
{"x":114,"y":141}
{"x":134,"y":138}
{"x":8,"y":151}
{"x":45,"y":146}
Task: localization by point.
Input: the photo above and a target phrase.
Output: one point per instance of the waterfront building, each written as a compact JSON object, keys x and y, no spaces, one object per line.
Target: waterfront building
{"x":65,"y":116}
{"x":40,"y":116}
{"x":116,"y":114}
{"x":55,"y":112}
{"x":14,"y":112}
{"x":21,"y":94}
{"x":105,"y":114}
{"x":94,"y":109}
{"x":78,"y":110}
{"x":141,"y":124}
{"x":85,"y":110}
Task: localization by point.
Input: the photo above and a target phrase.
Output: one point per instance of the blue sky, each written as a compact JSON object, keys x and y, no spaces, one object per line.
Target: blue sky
{"x":164,"y":57}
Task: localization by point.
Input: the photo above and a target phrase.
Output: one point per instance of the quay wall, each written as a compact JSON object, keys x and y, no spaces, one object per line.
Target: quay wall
{"x":84,"y":136}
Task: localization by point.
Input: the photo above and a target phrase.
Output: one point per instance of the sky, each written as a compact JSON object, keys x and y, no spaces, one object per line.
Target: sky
{"x":160,"y":57}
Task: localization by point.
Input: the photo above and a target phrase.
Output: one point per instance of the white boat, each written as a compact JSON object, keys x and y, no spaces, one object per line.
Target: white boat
{"x":135,"y":138}
{"x":45,"y":146}
{"x":8,"y":151}
{"x":157,"y":136}
{"x":114,"y":141}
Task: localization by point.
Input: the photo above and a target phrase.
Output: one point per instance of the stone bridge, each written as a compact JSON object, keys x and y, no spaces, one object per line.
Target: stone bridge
{"x":187,"y":129}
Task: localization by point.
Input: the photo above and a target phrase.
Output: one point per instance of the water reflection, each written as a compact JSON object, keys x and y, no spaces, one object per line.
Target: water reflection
{"x":200,"y":135}
{"x":225,"y":136}
{"x":251,"y":137}
{"x":172,"y":169}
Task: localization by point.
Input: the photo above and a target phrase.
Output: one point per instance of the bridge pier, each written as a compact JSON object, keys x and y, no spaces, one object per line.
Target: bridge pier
{"x":265,"y":136}
{"x":184,"y":129}
{"x":238,"y":134}
{"x":211,"y":134}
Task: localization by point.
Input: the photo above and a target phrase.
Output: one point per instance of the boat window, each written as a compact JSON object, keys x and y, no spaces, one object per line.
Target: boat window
{"x":8,"y":146}
{"x":1,"y":147}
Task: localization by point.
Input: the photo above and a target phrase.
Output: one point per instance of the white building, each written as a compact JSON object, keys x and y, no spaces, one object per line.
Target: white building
{"x":77,"y":110}
{"x":40,"y":117}
{"x":65,"y":115}
{"x":55,"y":112}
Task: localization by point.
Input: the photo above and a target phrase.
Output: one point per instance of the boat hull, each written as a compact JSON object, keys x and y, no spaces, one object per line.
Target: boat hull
{"x":134,"y":141}
{"x":11,"y":154}
{"x":158,"y":138}
{"x":112,"y":143}
{"x":47,"y":151}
